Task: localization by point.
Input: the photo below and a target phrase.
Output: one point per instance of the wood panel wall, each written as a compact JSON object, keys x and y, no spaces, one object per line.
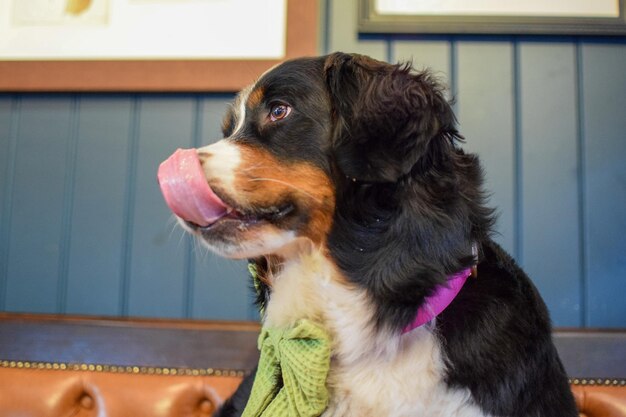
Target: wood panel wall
{"x":83,"y":228}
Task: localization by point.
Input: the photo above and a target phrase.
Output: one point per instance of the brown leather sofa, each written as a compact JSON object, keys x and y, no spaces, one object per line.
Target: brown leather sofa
{"x":596,"y":363}
{"x":77,"y":366}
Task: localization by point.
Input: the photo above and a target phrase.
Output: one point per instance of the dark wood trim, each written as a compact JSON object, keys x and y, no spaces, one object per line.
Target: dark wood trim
{"x":221,"y":345}
{"x":161,"y":76}
{"x":111,"y":321}
{"x":564,"y":331}
{"x":128,"y":342}
{"x":592,"y":353}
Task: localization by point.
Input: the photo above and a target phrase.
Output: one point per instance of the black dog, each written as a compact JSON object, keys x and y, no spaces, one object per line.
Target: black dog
{"x":342,"y":178}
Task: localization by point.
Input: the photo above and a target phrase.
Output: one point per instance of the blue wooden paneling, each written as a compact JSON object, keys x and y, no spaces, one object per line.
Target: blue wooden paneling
{"x":433,"y":55}
{"x":486,"y":112}
{"x":8,"y":142}
{"x":549,"y":174}
{"x":37,"y":204}
{"x":343,"y":35}
{"x":604,"y":142}
{"x":220,"y":287}
{"x":84,"y":229}
{"x":95,"y":264}
{"x":157,"y":268}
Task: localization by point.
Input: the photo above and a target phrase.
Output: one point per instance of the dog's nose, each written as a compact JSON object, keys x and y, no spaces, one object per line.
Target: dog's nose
{"x":186,"y":190}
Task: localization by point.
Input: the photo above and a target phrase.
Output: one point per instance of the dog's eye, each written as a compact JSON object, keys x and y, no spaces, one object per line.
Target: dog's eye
{"x":279,"y":112}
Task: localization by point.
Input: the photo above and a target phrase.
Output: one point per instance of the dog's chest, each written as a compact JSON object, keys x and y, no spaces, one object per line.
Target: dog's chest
{"x":373,"y":373}
{"x":407,"y":383}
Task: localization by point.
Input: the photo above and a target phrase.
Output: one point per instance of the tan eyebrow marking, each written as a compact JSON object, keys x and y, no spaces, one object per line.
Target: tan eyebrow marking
{"x":255,"y":97}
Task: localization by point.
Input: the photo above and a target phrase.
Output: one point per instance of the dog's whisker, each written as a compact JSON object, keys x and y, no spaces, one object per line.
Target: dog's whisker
{"x":257,"y":166}
{"x":173,"y":226}
{"x":199,"y":250}
{"x":203,"y":251}
{"x":182,"y":238}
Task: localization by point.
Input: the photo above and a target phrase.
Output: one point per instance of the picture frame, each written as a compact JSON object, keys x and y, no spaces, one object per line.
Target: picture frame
{"x":161,"y":75}
{"x":492,"y":17}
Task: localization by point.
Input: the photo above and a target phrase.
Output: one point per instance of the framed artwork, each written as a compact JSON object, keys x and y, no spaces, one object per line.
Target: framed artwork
{"x":149,"y":45}
{"x":533,"y":17}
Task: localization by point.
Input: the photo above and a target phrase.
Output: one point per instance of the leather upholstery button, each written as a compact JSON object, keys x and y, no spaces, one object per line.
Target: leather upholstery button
{"x":86,"y":402}
{"x":206,"y":406}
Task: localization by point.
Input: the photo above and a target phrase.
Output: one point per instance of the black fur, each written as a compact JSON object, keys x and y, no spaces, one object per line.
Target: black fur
{"x":409,"y":207}
{"x":234,"y":406}
{"x":302,"y":136}
{"x":416,"y":207}
{"x":497,"y":338}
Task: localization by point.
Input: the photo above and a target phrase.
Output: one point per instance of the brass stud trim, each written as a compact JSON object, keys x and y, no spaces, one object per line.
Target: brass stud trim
{"x":168,"y":371}
{"x":607,"y":382}
{"x":142,"y":370}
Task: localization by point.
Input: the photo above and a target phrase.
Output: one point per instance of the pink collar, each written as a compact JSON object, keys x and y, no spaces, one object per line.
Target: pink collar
{"x":439,"y":300}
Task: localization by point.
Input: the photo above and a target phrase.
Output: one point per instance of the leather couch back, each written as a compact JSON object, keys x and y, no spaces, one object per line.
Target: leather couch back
{"x":77,"y":366}
{"x":60,"y":366}
{"x":596,"y":363}
{"x":51,"y":393}
{"x":601,"y":400}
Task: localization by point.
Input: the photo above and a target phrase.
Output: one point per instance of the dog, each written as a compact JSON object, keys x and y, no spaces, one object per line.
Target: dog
{"x":343,"y":179}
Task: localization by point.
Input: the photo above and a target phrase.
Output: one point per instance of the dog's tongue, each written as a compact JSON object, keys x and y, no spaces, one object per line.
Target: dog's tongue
{"x":186,"y":190}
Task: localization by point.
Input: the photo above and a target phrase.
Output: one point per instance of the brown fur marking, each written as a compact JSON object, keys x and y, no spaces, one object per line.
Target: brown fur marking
{"x":264,"y":181}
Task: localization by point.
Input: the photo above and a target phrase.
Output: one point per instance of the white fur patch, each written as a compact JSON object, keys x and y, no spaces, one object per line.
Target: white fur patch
{"x":240,"y":108}
{"x":221,"y":162}
{"x":268,"y":241}
{"x":373,"y":372}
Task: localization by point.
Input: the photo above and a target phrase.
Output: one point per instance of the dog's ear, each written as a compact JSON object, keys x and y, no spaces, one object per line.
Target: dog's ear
{"x":385,"y":116}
